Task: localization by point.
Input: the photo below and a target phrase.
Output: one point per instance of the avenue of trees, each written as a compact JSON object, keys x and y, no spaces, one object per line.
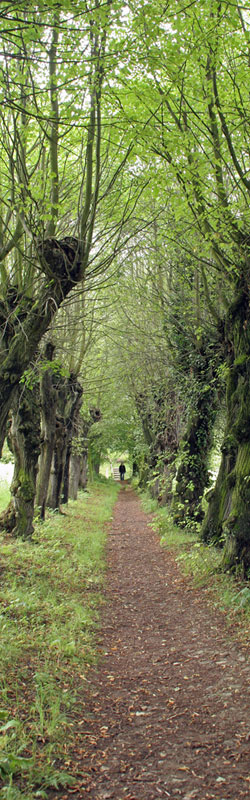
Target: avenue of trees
{"x":124,"y":246}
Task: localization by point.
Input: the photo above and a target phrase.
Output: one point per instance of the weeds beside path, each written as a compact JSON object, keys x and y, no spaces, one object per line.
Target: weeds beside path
{"x":166,"y":713}
{"x":51,"y":590}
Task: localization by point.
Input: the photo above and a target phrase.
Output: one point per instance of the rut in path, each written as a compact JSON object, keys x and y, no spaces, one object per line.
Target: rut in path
{"x":168,"y":708}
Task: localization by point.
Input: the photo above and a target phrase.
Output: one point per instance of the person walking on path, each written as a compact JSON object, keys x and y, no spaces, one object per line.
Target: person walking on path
{"x":122,"y":470}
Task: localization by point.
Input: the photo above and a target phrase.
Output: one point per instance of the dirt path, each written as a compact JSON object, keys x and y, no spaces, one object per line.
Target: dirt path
{"x":168,"y":710}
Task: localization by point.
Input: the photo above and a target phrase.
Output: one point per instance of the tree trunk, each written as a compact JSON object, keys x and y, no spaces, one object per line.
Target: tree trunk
{"x":228,"y":518}
{"x":24,"y":441}
{"x":159,"y":414}
{"x":97,"y":463}
{"x":166,"y":492}
{"x":93,"y":440}
{"x":58,"y":462}
{"x":192,"y":474}
{"x":83,"y":479}
{"x":48,"y":396}
{"x":72,"y":427}
{"x":75,"y":472}
{"x":69,"y":394}
{"x":79,"y":459}
{"x":25,"y":320}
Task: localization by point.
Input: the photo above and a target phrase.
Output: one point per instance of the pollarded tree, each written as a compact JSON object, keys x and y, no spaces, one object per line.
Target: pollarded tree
{"x":193,"y":342}
{"x":55,"y":165}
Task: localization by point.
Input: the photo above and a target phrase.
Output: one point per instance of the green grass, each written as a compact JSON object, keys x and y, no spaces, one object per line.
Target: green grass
{"x":4,"y":495}
{"x":51,"y":594}
{"x":203,"y":565}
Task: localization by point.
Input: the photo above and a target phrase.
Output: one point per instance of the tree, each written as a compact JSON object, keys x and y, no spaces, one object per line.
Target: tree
{"x":56,"y":161}
{"x":191,"y":96}
{"x":56,"y":165}
{"x":48,"y":401}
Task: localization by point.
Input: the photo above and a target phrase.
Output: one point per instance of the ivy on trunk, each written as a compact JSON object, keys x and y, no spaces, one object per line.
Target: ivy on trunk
{"x":228,"y":518}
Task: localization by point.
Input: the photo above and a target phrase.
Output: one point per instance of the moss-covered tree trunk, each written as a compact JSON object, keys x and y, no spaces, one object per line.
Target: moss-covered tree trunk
{"x":192,"y":475}
{"x":48,"y":397}
{"x":160,"y":424}
{"x":24,"y":441}
{"x":228,"y":517}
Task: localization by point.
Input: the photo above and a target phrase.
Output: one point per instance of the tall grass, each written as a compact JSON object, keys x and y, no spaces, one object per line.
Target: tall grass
{"x":50,"y":596}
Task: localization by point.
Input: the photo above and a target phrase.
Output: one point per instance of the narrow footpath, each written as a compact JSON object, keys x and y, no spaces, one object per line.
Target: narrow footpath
{"x":167,"y":713}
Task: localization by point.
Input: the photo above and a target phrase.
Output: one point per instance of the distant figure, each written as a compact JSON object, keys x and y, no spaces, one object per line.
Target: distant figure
{"x":122,"y":470}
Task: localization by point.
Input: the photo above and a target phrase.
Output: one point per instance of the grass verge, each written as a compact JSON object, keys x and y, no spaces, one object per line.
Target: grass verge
{"x":203,"y":565}
{"x":4,"y":495}
{"x":51,"y":592}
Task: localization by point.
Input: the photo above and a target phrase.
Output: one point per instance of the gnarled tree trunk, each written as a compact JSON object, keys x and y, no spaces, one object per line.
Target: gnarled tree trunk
{"x":24,"y":320}
{"x":24,"y":441}
{"x":192,"y":476}
{"x":228,"y":518}
{"x":159,"y":414}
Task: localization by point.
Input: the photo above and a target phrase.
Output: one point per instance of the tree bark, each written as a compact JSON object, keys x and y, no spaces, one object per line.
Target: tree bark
{"x":72,"y":429}
{"x":93,"y":441}
{"x":63,"y":264}
{"x":24,"y":441}
{"x":57,"y":468}
{"x":228,"y":518}
{"x":159,"y":416}
{"x":83,"y":478}
{"x":75,"y":472}
{"x":79,"y":455}
{"x":192,"y":476}
{"x":48,"y":397}
{"x":69,"y":393}
{"x":79,"y":460}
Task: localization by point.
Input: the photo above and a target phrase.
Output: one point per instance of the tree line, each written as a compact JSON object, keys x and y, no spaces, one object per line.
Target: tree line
{"x":125,"y":156}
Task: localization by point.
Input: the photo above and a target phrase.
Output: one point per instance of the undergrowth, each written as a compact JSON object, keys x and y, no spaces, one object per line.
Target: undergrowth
{"x":50,"y":595}
{"x":203,"y":564}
